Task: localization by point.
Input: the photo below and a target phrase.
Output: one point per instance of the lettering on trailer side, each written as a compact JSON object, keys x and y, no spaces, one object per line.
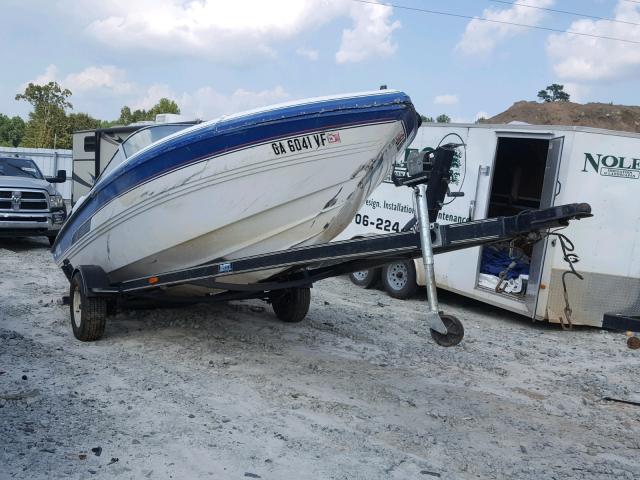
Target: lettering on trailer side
{"x":611,"y":165}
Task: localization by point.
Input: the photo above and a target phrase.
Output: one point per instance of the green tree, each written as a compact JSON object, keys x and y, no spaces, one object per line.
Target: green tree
{"x":553,"y":93}
{"x":443,"y":119}
{"x":48,"y":120}
{"x":426,"y":119}
{"x":164,"y":105}
{"x":11,"y":130}
{"x":125,"y":116}
{"x":74,"y":123}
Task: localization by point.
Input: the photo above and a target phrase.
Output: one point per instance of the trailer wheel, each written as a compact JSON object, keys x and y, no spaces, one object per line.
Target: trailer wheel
{"x":399,"y":279}
{"x":365,"y":278}
{"x":88,"y":314}
{"x":455,"y":332}
{"x":292,"y":304}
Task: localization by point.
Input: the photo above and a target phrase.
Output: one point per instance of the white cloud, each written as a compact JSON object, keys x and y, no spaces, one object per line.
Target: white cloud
{"x":582,"y":59}
{"x":236,"y":32}
{"x":50,"y":74}
{"x":93,"y":78}
{"x":308,"y":53}
{"x":481,"y":37}
{"x":446,"y":99}
{"x":205,"y":103}
{"x":147,"y":98}
{"x":370,"y":36}
{"x":577,"y":91}
{"x":99,"y":77}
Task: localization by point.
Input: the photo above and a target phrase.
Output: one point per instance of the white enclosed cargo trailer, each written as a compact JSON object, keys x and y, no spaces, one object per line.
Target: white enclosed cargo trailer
{"x":507,"y":169}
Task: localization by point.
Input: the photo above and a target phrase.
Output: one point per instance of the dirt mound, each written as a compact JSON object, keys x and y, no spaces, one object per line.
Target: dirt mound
{"x":598,"y":115}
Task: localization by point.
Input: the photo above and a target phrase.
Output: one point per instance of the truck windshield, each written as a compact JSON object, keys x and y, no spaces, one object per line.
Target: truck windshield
{"x":19,"y":167}
{"x":139,"y":140}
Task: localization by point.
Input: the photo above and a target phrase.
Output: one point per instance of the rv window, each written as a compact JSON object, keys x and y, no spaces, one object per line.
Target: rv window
{"x":90,"y":143}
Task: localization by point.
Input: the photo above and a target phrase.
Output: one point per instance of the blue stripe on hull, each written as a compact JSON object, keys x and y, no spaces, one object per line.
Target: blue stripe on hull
{"x":231,"y":135}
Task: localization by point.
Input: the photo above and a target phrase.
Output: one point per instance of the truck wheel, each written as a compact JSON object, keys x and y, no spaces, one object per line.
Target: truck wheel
{"x":51,"y":240}
{"x":399,"y":279}
{"x":292,"y":304}
{"x":365,"y":278}
{"x":88,"y":314}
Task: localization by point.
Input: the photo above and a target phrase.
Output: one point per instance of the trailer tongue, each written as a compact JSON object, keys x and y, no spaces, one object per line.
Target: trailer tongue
{"x":288,"y":291}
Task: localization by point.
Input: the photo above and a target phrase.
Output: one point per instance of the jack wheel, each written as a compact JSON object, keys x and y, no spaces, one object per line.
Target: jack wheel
{"x":454,"y":335}
{"x":365,"y":278}
{"x":88,"y":314}
{"x":292,"y":304}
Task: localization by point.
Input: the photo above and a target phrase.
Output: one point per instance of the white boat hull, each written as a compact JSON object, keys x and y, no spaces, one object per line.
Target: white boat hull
{"x":238,"y":204}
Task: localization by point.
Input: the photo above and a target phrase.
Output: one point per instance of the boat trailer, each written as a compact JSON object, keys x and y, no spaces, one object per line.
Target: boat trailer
{"x":93,"y":296}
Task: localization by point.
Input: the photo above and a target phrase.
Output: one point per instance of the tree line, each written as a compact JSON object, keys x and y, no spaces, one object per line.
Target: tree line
{"x":51,"y":123}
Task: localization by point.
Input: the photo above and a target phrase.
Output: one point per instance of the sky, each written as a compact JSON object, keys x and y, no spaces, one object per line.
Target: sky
{"x":216,"y":57}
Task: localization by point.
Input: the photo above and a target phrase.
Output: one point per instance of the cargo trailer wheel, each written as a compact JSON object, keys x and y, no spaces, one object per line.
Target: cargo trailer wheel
{"x":88,"y":314}
{"x":455,"y":332}
{"x":399,"y":279}
{"x":292,"y":304}
{"x":365,"y":278}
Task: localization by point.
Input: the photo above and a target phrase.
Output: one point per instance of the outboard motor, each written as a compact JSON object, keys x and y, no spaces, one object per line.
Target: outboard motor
{"x":433,"y":169}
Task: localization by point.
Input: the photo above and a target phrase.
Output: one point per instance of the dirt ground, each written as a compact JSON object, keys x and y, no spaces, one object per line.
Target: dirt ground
{"x":598,"y":115}
{"x":356,"y":391}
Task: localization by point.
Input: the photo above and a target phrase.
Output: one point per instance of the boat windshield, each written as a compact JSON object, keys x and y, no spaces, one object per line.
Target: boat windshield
{"x":139,"y":140}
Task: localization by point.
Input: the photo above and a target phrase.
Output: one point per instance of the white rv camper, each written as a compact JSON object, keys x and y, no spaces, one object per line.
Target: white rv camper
{"x":92,"y":149}
{"x":506,"y":169}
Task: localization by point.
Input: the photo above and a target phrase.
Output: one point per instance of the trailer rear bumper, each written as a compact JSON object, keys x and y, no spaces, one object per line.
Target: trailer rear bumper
{"x":621,"y":321}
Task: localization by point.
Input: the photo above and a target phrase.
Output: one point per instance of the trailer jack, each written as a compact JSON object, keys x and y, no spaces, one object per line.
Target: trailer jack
{"x":446,"y":330}
{"x":429,"y":174}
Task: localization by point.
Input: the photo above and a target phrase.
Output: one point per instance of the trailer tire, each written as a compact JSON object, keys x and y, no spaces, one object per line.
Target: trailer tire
{"x":365,"y":278}
{"x":292,"y":304}
{"x":88,"y":314}
{"x":399,"y":279}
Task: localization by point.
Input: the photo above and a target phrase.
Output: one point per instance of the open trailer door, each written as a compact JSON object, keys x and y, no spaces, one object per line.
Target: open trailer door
{"x":550,"y":189}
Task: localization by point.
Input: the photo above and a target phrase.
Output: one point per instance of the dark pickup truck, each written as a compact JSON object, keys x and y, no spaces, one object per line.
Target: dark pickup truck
{"x":29,"y":203}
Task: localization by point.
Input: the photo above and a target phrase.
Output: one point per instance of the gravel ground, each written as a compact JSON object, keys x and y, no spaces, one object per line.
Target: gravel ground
{"x":357,"y":390}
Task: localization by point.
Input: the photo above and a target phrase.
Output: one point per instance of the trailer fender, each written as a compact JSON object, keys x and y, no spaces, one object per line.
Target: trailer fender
{"x":92,"y":278}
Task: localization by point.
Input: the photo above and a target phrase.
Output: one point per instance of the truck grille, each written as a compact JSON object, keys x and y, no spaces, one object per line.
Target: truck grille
{"x":15,"y":200}
{"x":23,"y":219}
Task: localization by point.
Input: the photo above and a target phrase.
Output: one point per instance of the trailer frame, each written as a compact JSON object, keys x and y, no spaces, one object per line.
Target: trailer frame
{"x":307,"y":265}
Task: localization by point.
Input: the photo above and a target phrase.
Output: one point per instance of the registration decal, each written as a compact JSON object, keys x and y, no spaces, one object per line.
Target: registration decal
{"x":305,"y":143}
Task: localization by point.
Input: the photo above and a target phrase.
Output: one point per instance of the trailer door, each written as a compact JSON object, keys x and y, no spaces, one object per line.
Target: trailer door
{"x":550,"y":189}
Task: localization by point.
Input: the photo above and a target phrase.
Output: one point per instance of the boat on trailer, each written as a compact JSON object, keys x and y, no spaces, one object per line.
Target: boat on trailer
{"x":92,"y":291}
{"x":290,"y":175}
